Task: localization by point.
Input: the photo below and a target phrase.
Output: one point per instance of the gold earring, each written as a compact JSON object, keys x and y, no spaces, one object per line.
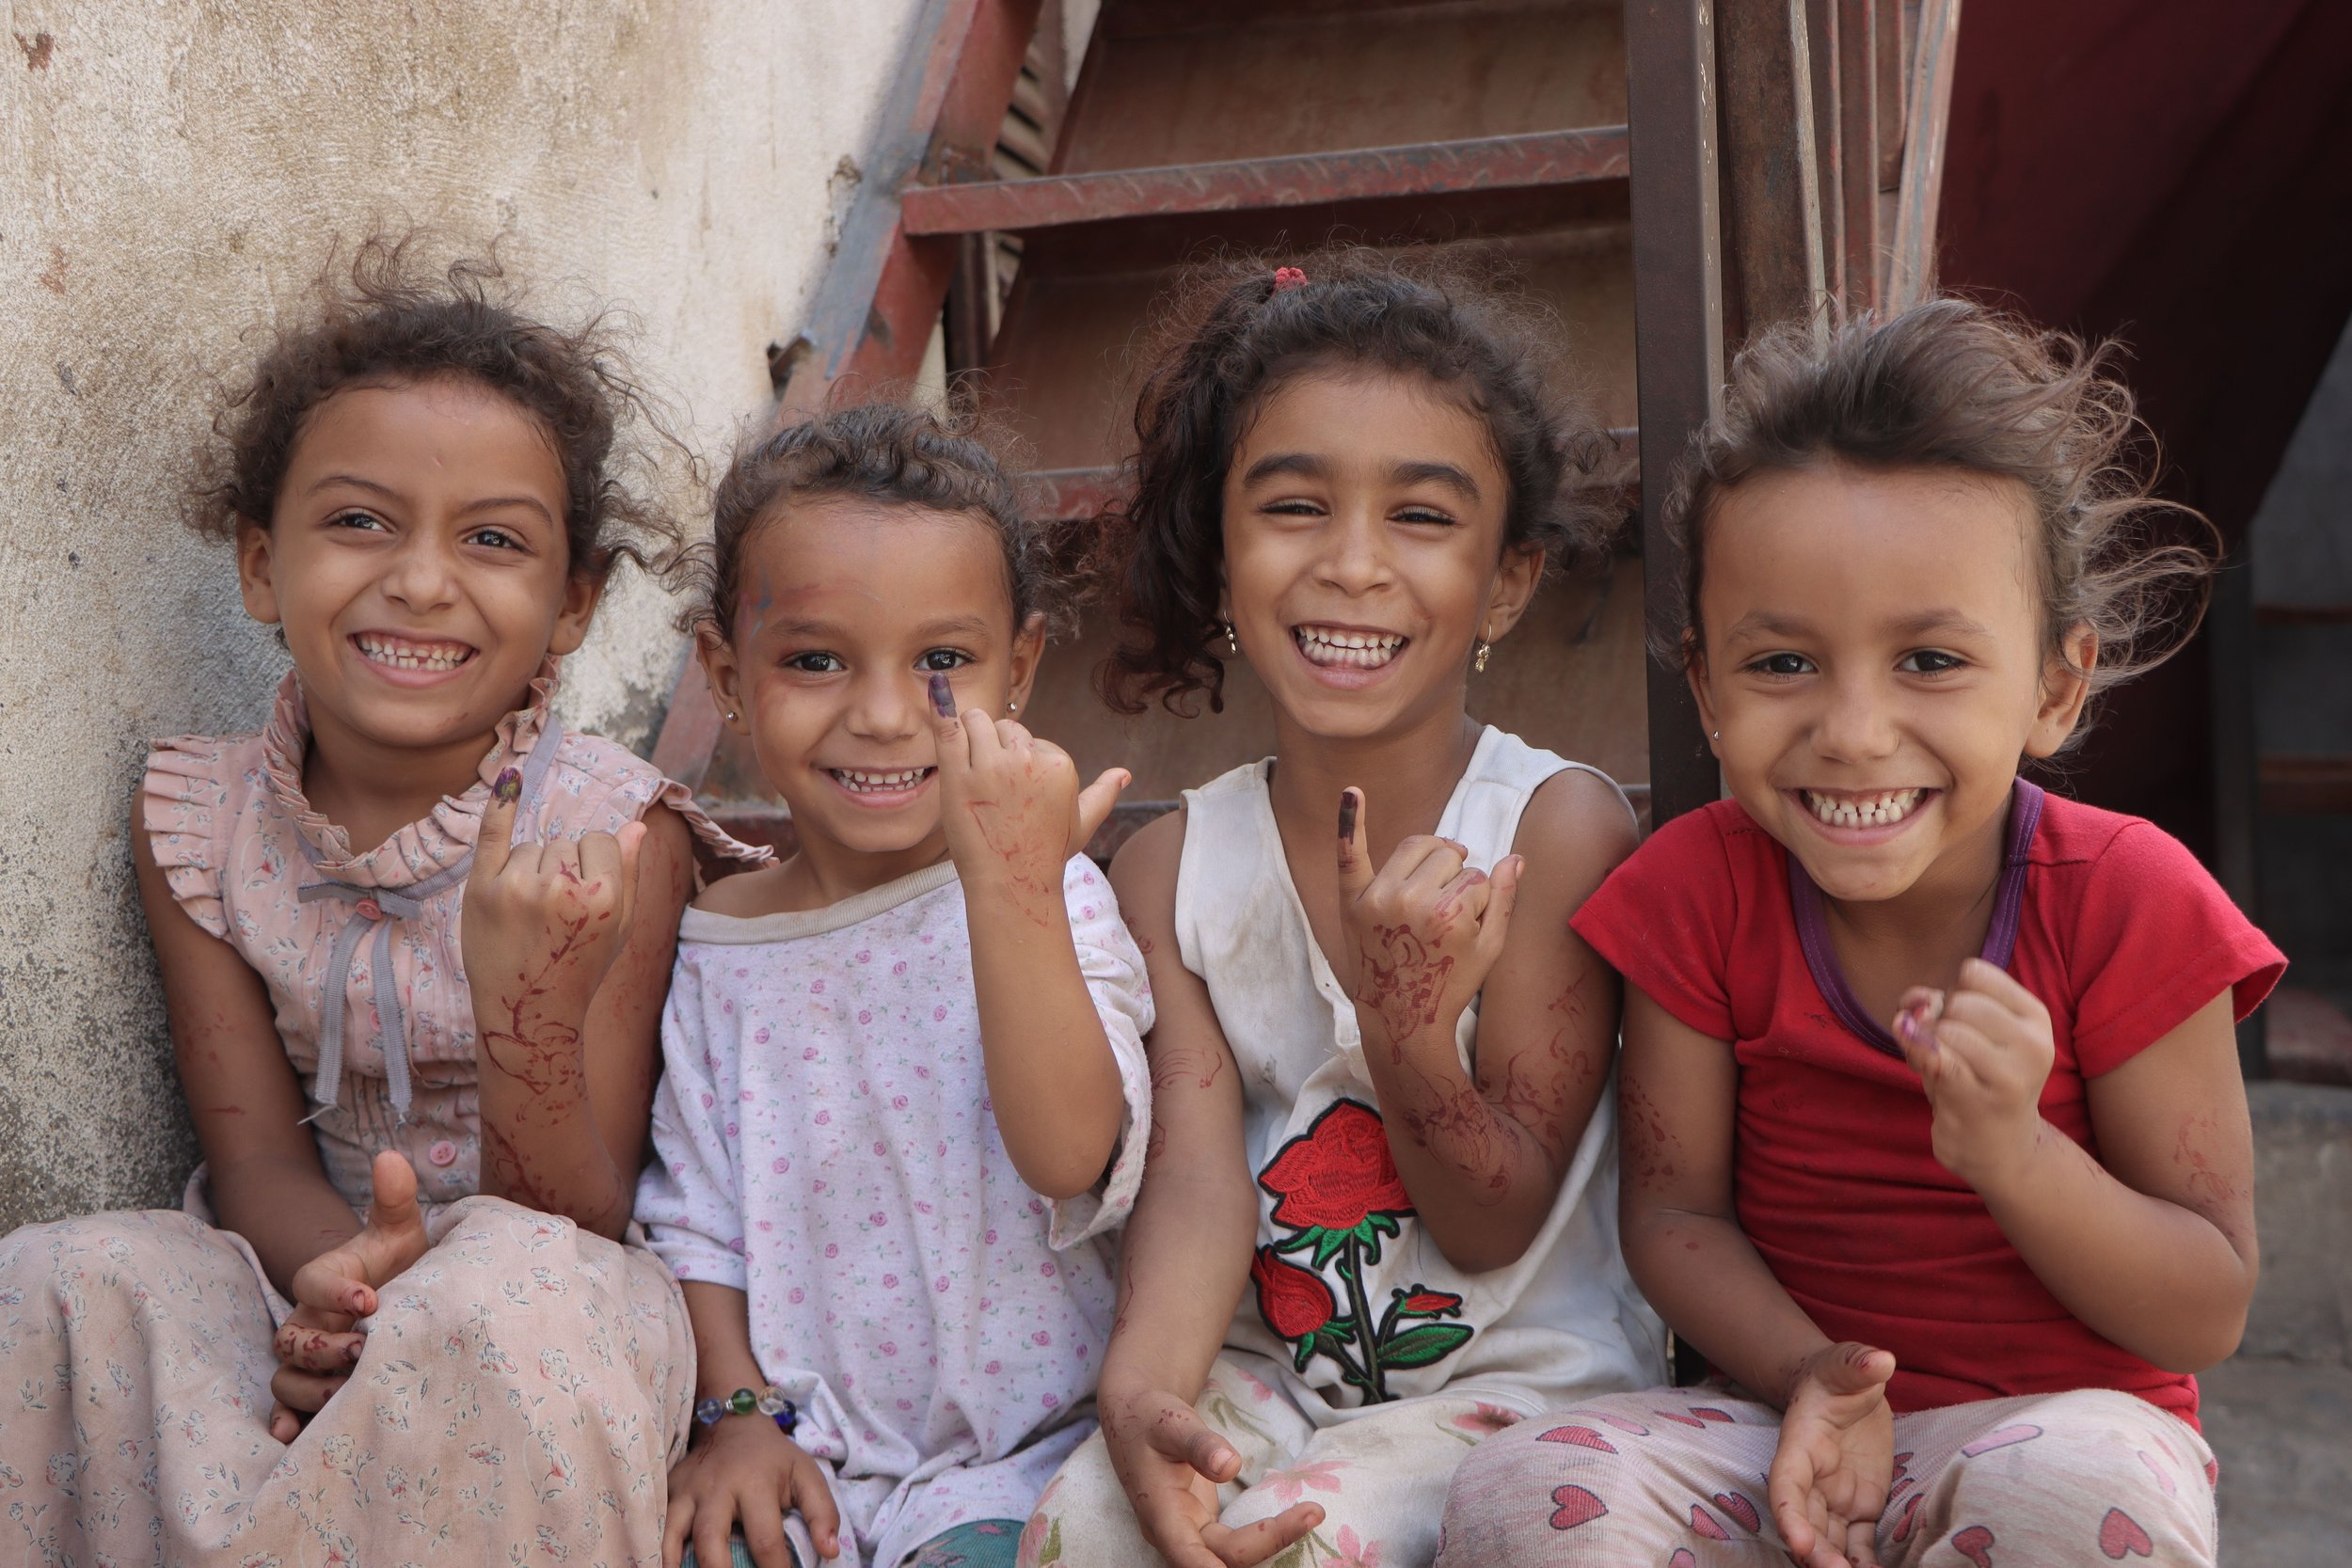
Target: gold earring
{"x":1232,"y":644}
{"x":1478,"y":657}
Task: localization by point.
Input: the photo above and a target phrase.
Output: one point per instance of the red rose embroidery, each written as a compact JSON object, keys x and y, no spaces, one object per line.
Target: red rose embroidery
{"x":1337,"y":1191}
{"x":1294,"y":1302}
{"x":1339,"y":1176}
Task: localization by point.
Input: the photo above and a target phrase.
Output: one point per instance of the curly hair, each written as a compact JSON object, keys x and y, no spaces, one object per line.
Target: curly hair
{"x":1428,"y":314}
{"x":1950,"y":383}
{"x":388,"y":320}
{"x":891,"y":453}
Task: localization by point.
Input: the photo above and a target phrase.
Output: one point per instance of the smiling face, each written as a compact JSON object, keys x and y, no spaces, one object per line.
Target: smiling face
{"x":1364,"y":532}
{"x":416,"y":563}
{"x":1874,"y":666}
{"x":847,"y":608}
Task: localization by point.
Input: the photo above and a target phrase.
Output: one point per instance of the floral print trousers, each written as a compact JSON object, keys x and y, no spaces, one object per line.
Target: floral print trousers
{"x":1380,"y":1477}
{"x":524,"y":1388}
{"x":1674,"y":1478}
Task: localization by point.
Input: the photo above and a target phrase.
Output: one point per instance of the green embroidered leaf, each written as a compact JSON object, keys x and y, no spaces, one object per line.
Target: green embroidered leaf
{"x":1376,"y":1224}
{"x":1419,"y":1347}
{"x":1050,"y":1553}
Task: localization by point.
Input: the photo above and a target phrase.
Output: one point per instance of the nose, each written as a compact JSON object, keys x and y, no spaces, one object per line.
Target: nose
{"x":424,"y":572}
{"x":888,"y":704}
{"x":1858,"y":723}
{"x":1355,"y":555}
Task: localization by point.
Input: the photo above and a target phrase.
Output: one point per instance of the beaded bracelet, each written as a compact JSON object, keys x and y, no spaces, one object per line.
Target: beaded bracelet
{"x":769,"y":1402}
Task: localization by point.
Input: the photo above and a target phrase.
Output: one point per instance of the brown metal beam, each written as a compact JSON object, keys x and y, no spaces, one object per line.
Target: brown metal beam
{"x":1856,"y":189}
{"x":1911,"y":273}
{"x":1679,"y":345}
{"x":1772,"y":181}
{"x":1545,"y":158}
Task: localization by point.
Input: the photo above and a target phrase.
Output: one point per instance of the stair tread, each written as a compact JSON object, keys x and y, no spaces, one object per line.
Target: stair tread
{"x":1530,"y":162}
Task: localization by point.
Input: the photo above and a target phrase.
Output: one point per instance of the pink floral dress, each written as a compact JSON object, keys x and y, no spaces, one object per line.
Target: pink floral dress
{"x":525,"y":1385}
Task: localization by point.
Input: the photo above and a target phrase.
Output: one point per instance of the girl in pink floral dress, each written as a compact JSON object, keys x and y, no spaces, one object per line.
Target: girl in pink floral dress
{"x":414,"y":937}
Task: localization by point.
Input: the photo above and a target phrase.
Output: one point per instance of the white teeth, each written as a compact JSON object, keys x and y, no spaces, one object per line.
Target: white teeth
{"x":859,"y":782}
{"x":413,"y":656}
{"x":1869,"y":810}
{"x":1358,"y":650}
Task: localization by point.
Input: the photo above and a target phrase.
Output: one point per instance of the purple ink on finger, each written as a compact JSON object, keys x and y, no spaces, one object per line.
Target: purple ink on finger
{"x":943,"y":697}
{"x":509,"y":786}
{"x":1347,"y":815}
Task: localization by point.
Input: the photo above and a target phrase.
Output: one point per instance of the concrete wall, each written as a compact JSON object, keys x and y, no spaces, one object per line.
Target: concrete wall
{"x":171,"y":171}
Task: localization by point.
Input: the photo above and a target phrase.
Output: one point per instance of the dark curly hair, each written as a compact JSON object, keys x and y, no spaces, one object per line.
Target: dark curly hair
{"x":892,"y":454}
{"x":1429,"y":314}
{"x":385,"y":319}
{"x":1950,"y":383}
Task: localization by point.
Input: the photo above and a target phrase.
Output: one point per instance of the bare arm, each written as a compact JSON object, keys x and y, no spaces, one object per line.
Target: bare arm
{"x":267,"y":1181}
{"x":743,"y":1468}
{"x":2152,"y":1242}
{"x":1186,"y":1251}
{"x":1013,"y":814}
{"x":569,"y":1052}
{"x":1484,"y":1156}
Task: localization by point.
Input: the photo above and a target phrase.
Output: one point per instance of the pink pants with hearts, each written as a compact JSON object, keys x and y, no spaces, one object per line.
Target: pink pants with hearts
{"x":1674,"y":1478}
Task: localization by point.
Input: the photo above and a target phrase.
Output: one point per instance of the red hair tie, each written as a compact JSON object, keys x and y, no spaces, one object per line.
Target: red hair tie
{"x":1286,"y":279}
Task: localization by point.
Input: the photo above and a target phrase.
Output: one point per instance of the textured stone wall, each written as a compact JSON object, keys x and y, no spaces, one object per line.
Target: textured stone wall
{"x":169,"y":174}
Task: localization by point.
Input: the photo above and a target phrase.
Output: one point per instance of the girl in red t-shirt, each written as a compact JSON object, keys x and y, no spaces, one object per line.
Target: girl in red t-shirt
{"x":1935,"y":1139}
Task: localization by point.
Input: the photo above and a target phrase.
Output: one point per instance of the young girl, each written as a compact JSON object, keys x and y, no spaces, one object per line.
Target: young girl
{"x":420,"y":1144}
{"x":1380,"y":1056}
{"x":906,"y":1091}
{"x":1934,"y":1138}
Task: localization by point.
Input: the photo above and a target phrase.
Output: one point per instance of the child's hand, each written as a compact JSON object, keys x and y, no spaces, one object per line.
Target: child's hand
{"x":747,"y":1469}
{"x":1982,"y":1056}
{"x":1009,"y":803}
{"x":316,"y":1345}
{"x":1423,"y":933}
{"x":1829,"y":1480}
{"x":542,"y":925}
{"x":1170,"y":1464}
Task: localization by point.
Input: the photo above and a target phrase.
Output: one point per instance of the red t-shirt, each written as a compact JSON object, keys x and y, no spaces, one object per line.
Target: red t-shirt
{"x":2107,"y":919}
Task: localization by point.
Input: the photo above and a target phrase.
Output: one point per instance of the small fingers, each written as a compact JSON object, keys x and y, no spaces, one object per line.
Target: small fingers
{"x":309,"y":1348}
{"x":599,"y":860}
{"x":676,"y":1522}
{"x":1861,"y":1543}
{"x":812,"y":1494}
{"x":1997,"y":984}
{"x":1355,"y":857}
{"x":284,"y":1425}
{"x":1247,"y":1545}
{"x":711,"y":1525}
{"x":306,"y":1392}
{"x":764,"y":1537}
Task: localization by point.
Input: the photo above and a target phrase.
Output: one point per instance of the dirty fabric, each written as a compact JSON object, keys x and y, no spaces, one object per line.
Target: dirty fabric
{"x":1674,"y":1477}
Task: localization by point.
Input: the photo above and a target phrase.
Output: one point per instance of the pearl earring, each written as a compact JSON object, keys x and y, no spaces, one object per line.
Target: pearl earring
{"x":1232,"y":644}
{"x":730,"y":716}
{"x":1478,"y":657}
{"x":1012,"y":708}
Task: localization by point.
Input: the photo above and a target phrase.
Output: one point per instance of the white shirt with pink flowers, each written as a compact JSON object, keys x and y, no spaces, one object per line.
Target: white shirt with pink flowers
{"x":825,"y":1144}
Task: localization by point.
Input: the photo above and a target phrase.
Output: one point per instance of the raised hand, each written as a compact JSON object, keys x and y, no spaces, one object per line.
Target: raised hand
{"x":1425,"y":931}
{"x":1009,"y":801}
{"x":316,"y":1345}
{"x":748,"y":1470}
{"x":1829,"y":1480}
{"x":543,"y":923}
{"x":1982,"y":1055}
{"x":1170,"y":1464}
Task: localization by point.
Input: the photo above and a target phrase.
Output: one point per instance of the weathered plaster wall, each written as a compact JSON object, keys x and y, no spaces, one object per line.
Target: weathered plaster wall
{"x":171,"y":171}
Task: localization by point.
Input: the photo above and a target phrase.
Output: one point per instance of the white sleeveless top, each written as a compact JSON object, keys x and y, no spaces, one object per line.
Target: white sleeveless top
{"x":1351,"y":1299}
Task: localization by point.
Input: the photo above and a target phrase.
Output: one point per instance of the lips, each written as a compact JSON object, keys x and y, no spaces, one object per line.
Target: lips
{"x":858,"y":781}
{"x":417,"y":654}
{"x":1347,"y":647}
{"x":1848,"y":808}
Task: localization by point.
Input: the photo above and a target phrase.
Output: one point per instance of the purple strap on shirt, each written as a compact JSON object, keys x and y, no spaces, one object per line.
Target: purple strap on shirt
{"x":2000,"y":939}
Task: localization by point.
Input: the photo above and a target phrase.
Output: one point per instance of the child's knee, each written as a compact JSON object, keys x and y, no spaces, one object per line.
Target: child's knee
{"x":2089,"y":1469}
{"x":1082,"y":1517}
{"x":102,"y":1273}
{"x":1555,"y":1489}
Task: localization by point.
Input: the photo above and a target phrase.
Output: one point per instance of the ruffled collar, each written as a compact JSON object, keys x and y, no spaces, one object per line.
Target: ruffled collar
{"x":423,"y":848}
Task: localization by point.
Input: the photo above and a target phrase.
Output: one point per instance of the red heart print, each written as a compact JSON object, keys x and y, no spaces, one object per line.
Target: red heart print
{"x":1575,"y":1506}
{"x":1704,"y":1524}
{"x":1708,"y":1413}
{"x":1902,"y":1466}
{"x":1911,"y":1518}
{"x":2119,"y":1536}
{"x":1682,"y":1559}
{"x":2005,"y":1437}
{"x":1636,"y":1427}
{"x":2163,"y":1477}
{"x":1583,"y":1437}
{"x":1685,"y":1421}
{"x":1976,"y":1541}
{"x":2212,"y":1472}
{"x":1740,"y":1509}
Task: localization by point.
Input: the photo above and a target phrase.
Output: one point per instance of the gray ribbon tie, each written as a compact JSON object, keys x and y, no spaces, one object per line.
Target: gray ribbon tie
{"x":377,"y":908}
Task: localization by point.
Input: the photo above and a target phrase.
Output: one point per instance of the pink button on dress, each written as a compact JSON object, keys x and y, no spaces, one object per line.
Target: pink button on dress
{"x":526,"y":1382}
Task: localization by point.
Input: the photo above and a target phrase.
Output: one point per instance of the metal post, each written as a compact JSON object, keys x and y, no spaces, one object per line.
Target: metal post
{"x":1678,"y":337}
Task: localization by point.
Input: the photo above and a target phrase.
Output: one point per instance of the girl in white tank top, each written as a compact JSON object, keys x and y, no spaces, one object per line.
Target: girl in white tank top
{"x":1377,"y":1221}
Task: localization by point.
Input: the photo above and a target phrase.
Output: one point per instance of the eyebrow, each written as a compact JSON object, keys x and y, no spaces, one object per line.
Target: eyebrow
{"x":1307,"y":465}
{"x":487,"y":503}
{"x":1925,"y":623}
{"x":961,"y":625}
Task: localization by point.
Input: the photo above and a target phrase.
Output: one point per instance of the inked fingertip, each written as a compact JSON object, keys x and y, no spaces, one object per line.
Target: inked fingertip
{"x":509,"y":787}
{"x":942,"y":696}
